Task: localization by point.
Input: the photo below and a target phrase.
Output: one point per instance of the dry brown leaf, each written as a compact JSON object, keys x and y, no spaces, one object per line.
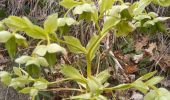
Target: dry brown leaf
{"x":151,"y":47}
{"x":138,"y":58}
{"x":130,"y":69}
{"x":136,"y":96}
{"x":139,"y":44}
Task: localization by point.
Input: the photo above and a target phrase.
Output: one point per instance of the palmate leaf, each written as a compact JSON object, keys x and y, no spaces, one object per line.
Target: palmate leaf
{"x":40,"y":85}
{"x":16,"y":23}
{"x":69,"y":3}
{"x":5,"y":77}
{"x":87,"y":11}
{"x":153,"y":81}
{"x":103,"y":76}
{"x":5,"y":36}
{"x":54,"y":48}
{"x":17,"y":71}
{"x":41,"y":50}
{"x":147,"y":76}
{"x":66,"y":21}
{"x":35,"y":32}
{"x":141,"y":86}
{"x":105,"y":5}
{"x":24,"y":24}
{"x":84,"y":8}
{"x":20,"y":40}
{"x":159,"y":94}
{"x":51,"y":59}
{"x":140,"y":6}
{"x":74,"y":44}
{"x":164,"y":3}
{"x":51,"y":23}
{"x":116,"y":10}
{"x":94,"y":85}
{"x":11,"y":47}
{"x":2,"y":27}
{"x":23,"y":59}
{"x":71,"y":72}
{"x":154,"y":21}
{"x":123,"y":28}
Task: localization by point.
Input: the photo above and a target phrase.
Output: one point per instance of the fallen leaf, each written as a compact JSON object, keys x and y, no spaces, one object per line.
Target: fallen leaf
{"x":138,"y":58}
{"x":136,"y":96}
{"x":151,"y":47}
{"x":130,"y":69}
{"x":140,"y":43}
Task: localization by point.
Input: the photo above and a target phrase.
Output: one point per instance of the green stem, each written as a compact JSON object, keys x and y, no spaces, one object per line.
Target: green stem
{"x":48,"y":40}
{"x":56,"y":82}
{"x":65,"y":15}
{"x":88,"y":66}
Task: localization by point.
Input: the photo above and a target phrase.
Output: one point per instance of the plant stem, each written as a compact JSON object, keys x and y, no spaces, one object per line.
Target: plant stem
{"x":48,"y":39}
{"x":56,"y":82}
{"x":88,"y":66}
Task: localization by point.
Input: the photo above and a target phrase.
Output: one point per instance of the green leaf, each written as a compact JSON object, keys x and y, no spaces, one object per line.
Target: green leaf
{"x":40,"y":85}
{"x":51,"y":23}
{"x":153,"y":81}
{"x":11,"y":47}
{"x":164,"y":3}
{"x":84,"y":8}
{"x":17,"y":71}
{"x":87,"y":11}
{"x":5,"y":36}
{"x":142,"y":17}
{"x":66,"y":21}
{"x":54,"y":48}
{"x":1,"y":26}
{"x":160,"y":94}
{"x":90,"y":45}
{"x":69,"y":3}
{"x":20,"y":40}
{"x":153,"y":14}
{"x":5,"y":77}
{"x":147,"y":76}
{"x":33,"y":68}
{"x":35,"y":32}
{"x":120,"y":87}
{"x":116,"y":10}
{"x":94,"y":85}
{"x":40,"y":50}
{"x":161,"y":27}
{"x":23,"y":59}
{"x":140,"y":86}
{"x":110,"y":22}
{"x":123,"y":28}
{"x":105,"y":5}
{"x":16,"y":23}
{"x":51,"y":59}
{"x":23,"y":24}
{"x":33,"y":92}
{"x":42,"y":61}
{"x":26,"y":90}
{"x":103,"y":76}
{"x":74,"y":44}
{"x":141,"y":6}
{"x":86,"y":96}
{"x":154,"y":21}
{"x":71,"y":72}
{"x":21,"y":81}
